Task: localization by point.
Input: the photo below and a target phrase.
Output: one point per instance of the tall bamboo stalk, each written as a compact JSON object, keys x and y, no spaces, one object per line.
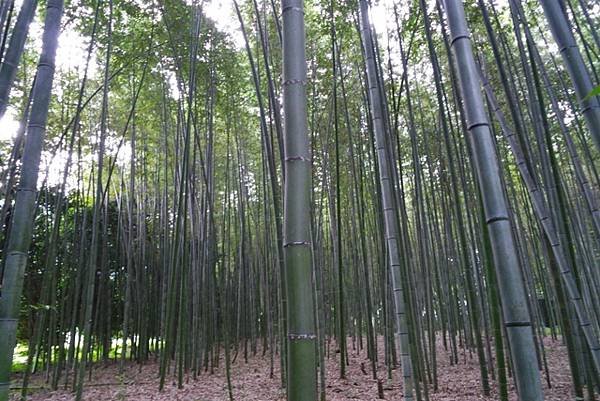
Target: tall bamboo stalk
{"x":301,"y":337}
{"x":387,"y":199}
{"x":569,"y":51}
{"x":25,"y":203}
{"x":8,"y":70}
{"x":517,"y":321}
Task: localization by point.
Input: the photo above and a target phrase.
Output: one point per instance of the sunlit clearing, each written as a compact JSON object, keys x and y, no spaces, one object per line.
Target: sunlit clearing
{"x":72,"y":52}
{"x":223,"y":14}
{"x":51,"y":170}
{"x":9,"y":125}
{"x":379,"y":13}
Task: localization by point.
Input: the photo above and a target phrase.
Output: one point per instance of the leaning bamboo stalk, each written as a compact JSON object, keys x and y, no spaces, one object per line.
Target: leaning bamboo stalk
{"x":543,"y":214}
{"x":6,"y":9}
{"x":586,"y":188}
{"x":8,"y":70}
{"x":387,"y":196}
{"x":510,"y":281}
{"x":573,"y":60}
{"x":96,"y":235}
{"x":21,"y":227}
{"x":584,"y":183}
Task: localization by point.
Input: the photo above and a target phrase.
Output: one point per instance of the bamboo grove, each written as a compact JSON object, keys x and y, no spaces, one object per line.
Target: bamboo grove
{"x":316,"y":183}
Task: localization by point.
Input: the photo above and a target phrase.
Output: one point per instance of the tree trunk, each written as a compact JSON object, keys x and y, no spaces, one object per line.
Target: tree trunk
{"x":301,"y":338}
{"x":25,"y":203}
{"x":510,"y":281}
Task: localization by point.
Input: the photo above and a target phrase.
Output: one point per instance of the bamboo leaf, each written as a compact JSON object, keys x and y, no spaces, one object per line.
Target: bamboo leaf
{"x":594,"y":92}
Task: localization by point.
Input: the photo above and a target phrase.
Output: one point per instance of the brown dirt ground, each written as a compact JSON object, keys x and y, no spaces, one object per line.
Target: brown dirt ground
{"x":251,"y":381}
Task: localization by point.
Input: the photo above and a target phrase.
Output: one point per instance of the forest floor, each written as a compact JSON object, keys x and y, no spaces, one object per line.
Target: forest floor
{"x":251,"y":381}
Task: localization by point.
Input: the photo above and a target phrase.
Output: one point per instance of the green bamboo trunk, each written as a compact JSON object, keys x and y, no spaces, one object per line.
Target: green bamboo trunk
{"x":510,"y":281}
{"x":571,"y":56}
{"x":25,"y":202}
{"x":387,"y":200}
{"x":301,"y":337}
{"x":8,"y":71}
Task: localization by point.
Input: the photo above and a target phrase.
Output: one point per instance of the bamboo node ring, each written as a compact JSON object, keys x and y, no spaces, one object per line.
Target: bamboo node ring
{"x":494,"y":219}
{"x":297,"y":159}
{"x":292,"y":8}
{"x":517,"y":324}
{"x":46,"y":64}
{"x":458,"y":37}
{"x":294,"y":82}
{"x":295,"y":243}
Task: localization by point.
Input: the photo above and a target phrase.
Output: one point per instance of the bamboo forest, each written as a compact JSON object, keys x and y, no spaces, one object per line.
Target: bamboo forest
{"x":299,"y":200}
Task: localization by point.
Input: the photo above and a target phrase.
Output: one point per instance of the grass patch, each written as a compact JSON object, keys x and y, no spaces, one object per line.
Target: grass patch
{"x":20,"y":358}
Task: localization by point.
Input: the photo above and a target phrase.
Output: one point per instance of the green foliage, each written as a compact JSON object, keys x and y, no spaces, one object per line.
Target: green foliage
{"x":594,"y":92}
{"x":230,"y":280}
